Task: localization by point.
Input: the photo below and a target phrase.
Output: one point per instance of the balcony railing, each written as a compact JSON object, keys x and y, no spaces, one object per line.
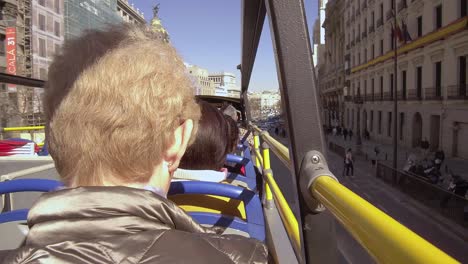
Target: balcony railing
{"x":387,"y":96}
{"x":364,"y":35}
{"x":358,"y":100}
{"x":414,"y":95}
{"x":358,"y":39}
{"x":457,"y":92}
{"x":371,"y":29}
{"x":389,"y":14}
{"x":379,"y":22}
{"x":347,"y":98}
{"x":402,"y":5}
{"x":433,"y":93}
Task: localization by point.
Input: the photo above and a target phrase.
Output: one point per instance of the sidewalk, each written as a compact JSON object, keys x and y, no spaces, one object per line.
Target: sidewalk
{"x":457,"y":165}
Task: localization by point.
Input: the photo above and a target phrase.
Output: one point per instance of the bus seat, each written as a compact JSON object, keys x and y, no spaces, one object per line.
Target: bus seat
{"x":247,"y":163}
{"x":254,"y":223}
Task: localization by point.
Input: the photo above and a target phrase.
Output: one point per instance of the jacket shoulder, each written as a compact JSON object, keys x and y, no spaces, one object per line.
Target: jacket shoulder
{"x":179,"y":247}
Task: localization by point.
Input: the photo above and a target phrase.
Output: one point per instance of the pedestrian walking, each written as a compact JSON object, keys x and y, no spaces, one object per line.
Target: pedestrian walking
{"x":345,"y":134}
{"x":349,"y":163}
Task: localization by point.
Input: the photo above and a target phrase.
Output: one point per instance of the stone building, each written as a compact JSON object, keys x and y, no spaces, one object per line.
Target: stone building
{"x":431,"y":76}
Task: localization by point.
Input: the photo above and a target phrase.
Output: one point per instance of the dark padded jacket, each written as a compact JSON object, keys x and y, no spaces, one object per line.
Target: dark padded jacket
{"x":124,"y":225}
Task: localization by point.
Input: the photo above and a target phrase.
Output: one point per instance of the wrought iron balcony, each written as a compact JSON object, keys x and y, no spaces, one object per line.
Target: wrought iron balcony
{"x":433,"y":93}
{"x":347,"y":98}
{"x":364,"y":35}
{"x":457,"y":92}
{"x":358,"y":99}
{"x":371,"y":29}
{"x":402,"y":5}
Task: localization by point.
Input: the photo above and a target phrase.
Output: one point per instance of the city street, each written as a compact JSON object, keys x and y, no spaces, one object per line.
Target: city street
{"x":415,"y":216}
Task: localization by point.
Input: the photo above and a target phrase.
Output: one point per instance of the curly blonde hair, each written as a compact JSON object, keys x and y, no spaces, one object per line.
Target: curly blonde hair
{"x":113,"y":100}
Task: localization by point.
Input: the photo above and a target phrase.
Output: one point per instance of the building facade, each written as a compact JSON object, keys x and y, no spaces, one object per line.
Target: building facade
{"x":264,"y":104}
{"x":225,"y":84}
{"x":431,"y":77}
{"x":129,"y":13}
{"x":203,"y":85}
{"x":331,"y":68}
{"x":16,"y":102}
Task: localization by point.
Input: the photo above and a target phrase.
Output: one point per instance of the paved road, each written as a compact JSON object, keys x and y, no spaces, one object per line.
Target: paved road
{"x":398,"y":205}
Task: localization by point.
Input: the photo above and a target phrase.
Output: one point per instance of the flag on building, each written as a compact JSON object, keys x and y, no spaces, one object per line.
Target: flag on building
{"x":406,"y":34}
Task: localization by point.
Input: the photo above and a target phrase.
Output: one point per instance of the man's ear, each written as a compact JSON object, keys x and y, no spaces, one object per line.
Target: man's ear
{"x":176,"y":150}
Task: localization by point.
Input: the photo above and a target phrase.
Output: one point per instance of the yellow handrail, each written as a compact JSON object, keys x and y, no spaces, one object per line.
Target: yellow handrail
{"x":26,"y":128}
{"x":280,"y":150}
{"x":383,"y":237}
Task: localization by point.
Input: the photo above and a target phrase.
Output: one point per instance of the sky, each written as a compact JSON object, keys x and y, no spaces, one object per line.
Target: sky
{"x":207,"y":33}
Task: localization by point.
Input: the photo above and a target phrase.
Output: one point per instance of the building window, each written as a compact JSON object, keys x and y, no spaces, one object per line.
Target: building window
{"x":373,"y":51}
{"x":372,"y":89}
{"x":438,"y":78}
{"x":392,"y":42}
{"x":42,"y":2}
{"x":381,"y":11}
{"x":57,"y":6}
{"x":462,"y":76}
{"x":43,"y":74}
{"x":402,"y":123}
{"x":381,"y":87}
{"x":42,"y":22}
{"x":403,"y":85}
{"x":57,"y":49}
{"x":419,"y":82}
{"x":57,"y":28}
{"x":379,"y":127}
{"x":463,"y":8}
{"x":42,"y":47}
{"x":389,"y":127}
{"x":420,"y":29}
{"x":365,"y":55}
{"x":381,"y":47}
{"x":438,"y":16}
{"x":371,"y":125}
{"x":372,"y":19}
{"x":2,"y":44}
{"x":391,"y":86}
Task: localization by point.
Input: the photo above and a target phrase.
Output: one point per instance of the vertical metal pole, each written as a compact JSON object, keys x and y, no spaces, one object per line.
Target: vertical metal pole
{"x":297,"y":82}
{"x":395,"y":92}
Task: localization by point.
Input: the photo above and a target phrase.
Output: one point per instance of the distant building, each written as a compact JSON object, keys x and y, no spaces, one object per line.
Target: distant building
{"x":266,"y":103}
{"x":129,"y":13}
{"x":225,"y":84}
{"x":203,"y":85}
{"x":89,"y":14}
